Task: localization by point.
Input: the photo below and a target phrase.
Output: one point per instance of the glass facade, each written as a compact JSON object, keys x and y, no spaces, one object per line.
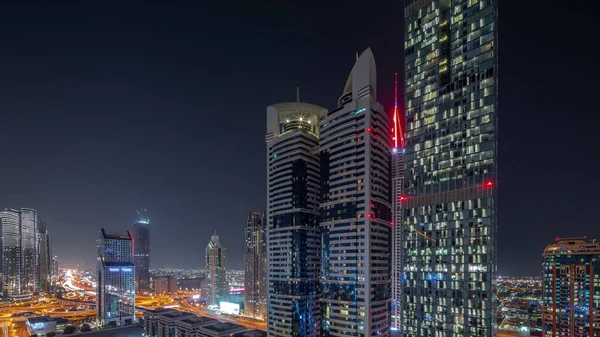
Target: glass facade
{"x":450,"y":174}
{"x":115,"y":279}
{"x":571,"y":288}
{"x":29,"y":245}
{"x":11,"y":251}
{"x":356,"y":210}
{"x":293,"y":235}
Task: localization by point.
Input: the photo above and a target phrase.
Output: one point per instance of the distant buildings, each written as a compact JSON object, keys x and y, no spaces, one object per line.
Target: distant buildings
{"x":115,"y":279}
{"x":216,"y":289}
{"x":293,"y":234}
{"x":571,"y":288}
{"x":141,"y":234}
{"x":355,"y":209}
{"x":165,"y":285}
{"x":191,"y":284}
{"x":55,"y":265}
{"x":255,"y":259}
{"x":25,"y":252}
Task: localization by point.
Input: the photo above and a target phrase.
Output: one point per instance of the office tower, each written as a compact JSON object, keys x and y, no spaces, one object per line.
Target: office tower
{"x":571,"y":288}
{"x":450,"y":174}
{"x":141,"y":234}
{"x":397,"y":183}
{"x":55,"y":265}
{"x":11,"y":251}
{"x":29,"y":246}
{"x":293,"y":235}
{"x":216,"y":285}
{"x":255,"y":273}
{"x":115,"y":279}
{"x":45,"y":254}
{"x":355,"y":209}
{"x":165,"y":285}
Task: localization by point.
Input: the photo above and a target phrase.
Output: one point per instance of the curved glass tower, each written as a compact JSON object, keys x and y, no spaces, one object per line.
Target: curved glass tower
{"x":293,"y":236}
{"x":141,"y":235}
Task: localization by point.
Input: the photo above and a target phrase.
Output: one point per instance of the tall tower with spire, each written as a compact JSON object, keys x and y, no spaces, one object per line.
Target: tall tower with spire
{"x":141,"y":235}
{"x":216,"y":289}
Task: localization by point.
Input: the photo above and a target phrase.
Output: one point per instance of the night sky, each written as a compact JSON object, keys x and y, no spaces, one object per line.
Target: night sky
{"x":107,"y":108}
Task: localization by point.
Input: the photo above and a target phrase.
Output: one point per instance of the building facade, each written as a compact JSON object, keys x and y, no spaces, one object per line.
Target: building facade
{"x":29,"y":245}
{"x":293,"y":235}
{"x":255,"y":271}
{"x":571,"y":288}
{"x":356,"y":209}
{"x":115,"y":281}
{"x":449,"y":273}
{"x":141,"y":234}
{"x":216,"y":289}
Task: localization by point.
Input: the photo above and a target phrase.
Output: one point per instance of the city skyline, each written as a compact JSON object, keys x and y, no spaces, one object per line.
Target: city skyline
{"x":93,"y":178}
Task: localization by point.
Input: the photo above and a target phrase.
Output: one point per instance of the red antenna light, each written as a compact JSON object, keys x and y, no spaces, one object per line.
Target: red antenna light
{"x":489,"y":184}
{"x":369,"y":215}
{"x":403,"y":198}
{"x":398,"y":135}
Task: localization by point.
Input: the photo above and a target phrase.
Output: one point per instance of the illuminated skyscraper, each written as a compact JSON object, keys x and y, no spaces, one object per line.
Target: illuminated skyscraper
{"x":141,"y":235}
{"x":255,"y":273}
{"x":12,"y":254}
{"x":571,"y":288}
{"x":29,"y":245}
{"x":356,"y":209}
{"x":450,"y":176}
{"x":216,"y":289}
{"x":115,"y":279}
{"x":293,"y":235}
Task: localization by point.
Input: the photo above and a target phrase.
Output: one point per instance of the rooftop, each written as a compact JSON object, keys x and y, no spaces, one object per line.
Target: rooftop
{"x":251,"y":333}
{"x":128,"y":331}
{"x":39,"y":319}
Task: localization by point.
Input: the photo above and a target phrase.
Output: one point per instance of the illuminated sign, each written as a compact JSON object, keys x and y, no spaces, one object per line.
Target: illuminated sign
{"x":230,"y":308}
{"x":113,"y":269}
{"x":126,"y":269}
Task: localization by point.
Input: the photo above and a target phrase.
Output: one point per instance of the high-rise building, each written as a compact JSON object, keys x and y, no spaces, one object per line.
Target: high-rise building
{"x":141,"y":234}
{"x":216,"y":289}
{"x":571,"y":288}
{"x":293,"y":235}
{"x":55,"y":265}
{"x":165,"y":285}
{"x":450,"y":168}
{"x":356,"y":209}
{"x":12,"y":254}
{"x":397,"y":184}
{"x":29,"y":245}
{"x":255,"y":273}
{"x":115,"y":279}
{"x":45,"y":256}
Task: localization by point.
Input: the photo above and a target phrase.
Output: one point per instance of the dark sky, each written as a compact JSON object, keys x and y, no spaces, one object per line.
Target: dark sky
{"x":107,"y":107}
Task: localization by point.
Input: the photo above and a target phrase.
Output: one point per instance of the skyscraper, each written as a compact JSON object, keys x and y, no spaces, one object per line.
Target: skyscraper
{"x":293,"y":236}
{"x":55,"y":265}
{"x":29,"y":246}
{"x":571,"y":288}
{"x":115,"y":279}
{"x":141,"y":235}
{"x":12,"y":254}
{"x":356,"y":209}
{"x":216,"y":282}
{"x":45,"y":256}
{"x":397,"y":184}
{"x":255,"y":273}
{"x":450,"y":175}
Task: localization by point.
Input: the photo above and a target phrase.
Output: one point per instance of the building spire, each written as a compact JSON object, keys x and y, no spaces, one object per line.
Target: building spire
{"x":357,"y":56}
{"x":298,"y":93}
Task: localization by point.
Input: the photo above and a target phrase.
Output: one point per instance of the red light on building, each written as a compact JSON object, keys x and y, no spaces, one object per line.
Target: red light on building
{"x":368,"y":129}
{"x":391,"y":223}
{"x":369,"y":215}
{"x":488,"y":184}
{"x":403,"y":198}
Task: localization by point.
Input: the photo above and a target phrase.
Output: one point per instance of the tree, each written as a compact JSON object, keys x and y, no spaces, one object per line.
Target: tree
{"x":69,"y":329}
{"x":85,"y":327}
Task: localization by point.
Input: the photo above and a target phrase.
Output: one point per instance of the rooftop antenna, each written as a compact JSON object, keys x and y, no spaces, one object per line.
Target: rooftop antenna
{"x":357,"y":56}
{"x":298,"y":94}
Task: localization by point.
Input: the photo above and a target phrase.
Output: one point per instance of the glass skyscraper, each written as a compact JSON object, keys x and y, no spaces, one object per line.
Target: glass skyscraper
{"x":356,"y":209}
{"x":293,"y":235}
{"x":141,"y":235}
{"x":255,"y":261}
{"x":450,"y":174}
{"x":115,"y":279}
{"x":12,"y":254}
{"x":571,"y":288}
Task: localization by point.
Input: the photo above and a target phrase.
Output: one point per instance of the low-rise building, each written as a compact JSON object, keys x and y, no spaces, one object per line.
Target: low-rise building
{"x":169,"y":323}
{"x":41,"y":325}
